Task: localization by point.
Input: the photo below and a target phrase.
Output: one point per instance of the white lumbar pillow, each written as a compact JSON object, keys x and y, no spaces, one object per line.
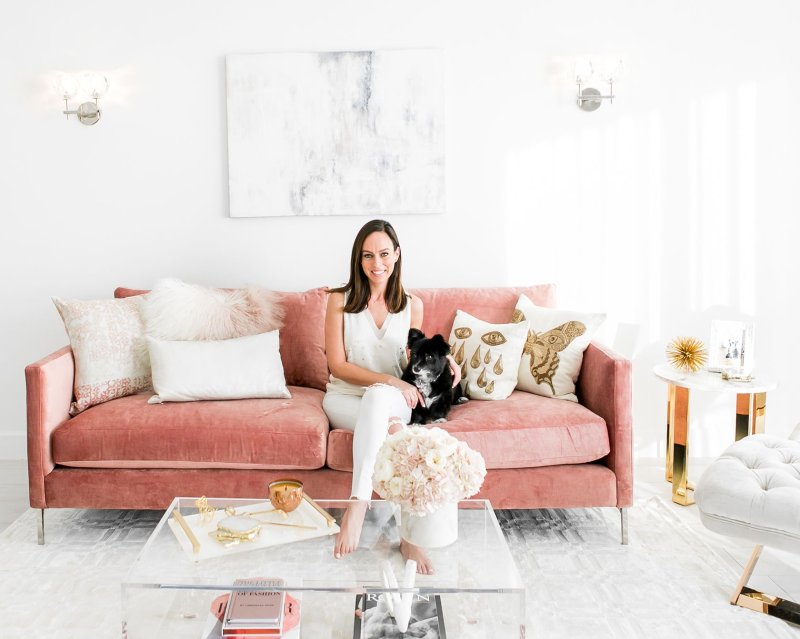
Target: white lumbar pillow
{"x":239,"y":368}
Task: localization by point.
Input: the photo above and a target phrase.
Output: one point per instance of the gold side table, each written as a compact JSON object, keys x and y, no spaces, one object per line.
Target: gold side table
{"x":751,"y":406}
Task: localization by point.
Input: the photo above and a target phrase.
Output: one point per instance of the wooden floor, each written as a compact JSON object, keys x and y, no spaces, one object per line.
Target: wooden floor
{"x":777,"y":573}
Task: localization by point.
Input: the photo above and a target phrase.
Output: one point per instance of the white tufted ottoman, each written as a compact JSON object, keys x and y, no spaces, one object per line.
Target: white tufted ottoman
{"x":753,"y":491}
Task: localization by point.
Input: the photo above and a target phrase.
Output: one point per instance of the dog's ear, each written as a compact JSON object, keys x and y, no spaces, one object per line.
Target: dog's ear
{"x":414,"y":336}
{"x":440,"y":343}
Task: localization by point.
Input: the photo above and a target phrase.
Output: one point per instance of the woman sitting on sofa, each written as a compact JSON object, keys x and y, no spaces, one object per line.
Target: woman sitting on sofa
{"x":366,"y":331}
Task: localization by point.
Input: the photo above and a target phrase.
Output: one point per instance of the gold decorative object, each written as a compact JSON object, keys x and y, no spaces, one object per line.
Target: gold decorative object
{"x":498,"y":366}
{"x":237,"y":529}
{"x":518,"y":316}
{"x":476,"y":358}
{"x":544,"y":348}
{"x":460,"y":355}
{"x":286,"y":494}
{"x":731,"y":376}
{"x":186,"y":529}
{"x":488,"y":357}
{"x":493,"y":338}
{"x":463,"y":332}
{"x":328,"y":517}
{"x":482,"y":379}
{"x":206,"y":512}
{"x":687,"y":354}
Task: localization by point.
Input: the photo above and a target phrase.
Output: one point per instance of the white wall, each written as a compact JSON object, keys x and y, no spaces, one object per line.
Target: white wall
{"x":674,"y":206}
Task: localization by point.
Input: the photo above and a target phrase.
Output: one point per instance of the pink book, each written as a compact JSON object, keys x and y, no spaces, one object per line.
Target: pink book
{"x":261,"y":608}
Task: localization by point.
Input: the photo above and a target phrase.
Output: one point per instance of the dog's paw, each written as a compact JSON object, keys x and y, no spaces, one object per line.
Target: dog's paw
{"x":441,"y":420}
{"x":462,"y":400}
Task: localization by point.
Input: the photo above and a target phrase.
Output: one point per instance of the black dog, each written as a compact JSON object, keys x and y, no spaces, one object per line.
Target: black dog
{"x":429,"y":370}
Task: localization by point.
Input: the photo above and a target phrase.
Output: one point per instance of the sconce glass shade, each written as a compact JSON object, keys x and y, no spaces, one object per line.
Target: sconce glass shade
{"x":66,"y":85}
{"x":610,"y":70}
{"x":94,"y":84}
{"x":583,"y":71}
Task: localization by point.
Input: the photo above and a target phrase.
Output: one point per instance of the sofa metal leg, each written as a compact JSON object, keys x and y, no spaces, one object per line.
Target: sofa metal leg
{"x":762,"y":602}
{"x":40,"y":527}
{"x":623,"y":526}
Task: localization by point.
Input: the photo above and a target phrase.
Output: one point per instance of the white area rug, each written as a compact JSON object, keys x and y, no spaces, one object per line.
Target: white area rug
{"x":580,"y":581}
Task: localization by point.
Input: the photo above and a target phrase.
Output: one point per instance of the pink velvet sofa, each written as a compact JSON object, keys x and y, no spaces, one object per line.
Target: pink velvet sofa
{"x":129,"y":454}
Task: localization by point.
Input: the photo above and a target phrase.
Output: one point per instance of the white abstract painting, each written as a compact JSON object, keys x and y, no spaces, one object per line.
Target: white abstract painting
{"x":336,"y":133}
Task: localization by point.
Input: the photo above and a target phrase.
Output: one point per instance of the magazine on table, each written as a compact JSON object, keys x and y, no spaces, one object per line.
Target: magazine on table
{"x":427,"y":620}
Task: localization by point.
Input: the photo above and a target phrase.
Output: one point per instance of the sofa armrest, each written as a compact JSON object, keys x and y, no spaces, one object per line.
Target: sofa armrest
{"x":49,"y":394}
{"x":604,"y":387}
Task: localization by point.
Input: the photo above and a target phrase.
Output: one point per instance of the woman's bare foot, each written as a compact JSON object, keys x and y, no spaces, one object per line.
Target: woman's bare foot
{"x":350,"y":530}
{"x":395,"y":424}
{"x":410,"y":551}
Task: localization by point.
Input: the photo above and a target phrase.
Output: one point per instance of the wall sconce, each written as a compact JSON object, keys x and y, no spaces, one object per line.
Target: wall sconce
{"x":91,"y":85}
{"x":587,"y":72}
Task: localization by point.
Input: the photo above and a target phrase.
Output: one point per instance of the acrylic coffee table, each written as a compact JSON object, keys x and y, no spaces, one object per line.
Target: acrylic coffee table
{"x":168,"y":594}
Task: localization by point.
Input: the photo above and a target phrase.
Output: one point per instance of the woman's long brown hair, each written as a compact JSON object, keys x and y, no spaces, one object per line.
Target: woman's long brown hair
{"x":357,"y":288}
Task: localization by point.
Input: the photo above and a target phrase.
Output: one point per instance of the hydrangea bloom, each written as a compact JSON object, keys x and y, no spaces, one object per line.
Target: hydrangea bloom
{"x":424,"y":468}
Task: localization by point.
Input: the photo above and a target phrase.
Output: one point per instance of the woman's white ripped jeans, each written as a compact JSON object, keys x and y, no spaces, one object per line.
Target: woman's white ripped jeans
{"x":368,"y":418}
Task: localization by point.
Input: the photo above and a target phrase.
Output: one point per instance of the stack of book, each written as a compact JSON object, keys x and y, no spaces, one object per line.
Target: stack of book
{"x":255,"y":614}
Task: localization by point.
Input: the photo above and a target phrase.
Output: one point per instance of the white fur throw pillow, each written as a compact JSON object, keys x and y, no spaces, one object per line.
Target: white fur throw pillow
{"x":240,"y":368}
{"x":175,"y":310}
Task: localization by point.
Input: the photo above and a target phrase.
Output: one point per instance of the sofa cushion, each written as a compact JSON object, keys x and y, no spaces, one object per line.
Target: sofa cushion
{"x":108,"y":344}
{"x":494,"y":305}
{"x":553,"y":352}
{"x":302,"y":340}
{"x":488,"y":355}
{"x":523,"y":431}
{"x":246,"y":367}
{"x":245,"y":433}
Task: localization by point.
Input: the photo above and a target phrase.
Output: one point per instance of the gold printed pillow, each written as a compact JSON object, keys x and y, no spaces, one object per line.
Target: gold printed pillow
{"x":489,"y":355}
{"x":553,"y":352}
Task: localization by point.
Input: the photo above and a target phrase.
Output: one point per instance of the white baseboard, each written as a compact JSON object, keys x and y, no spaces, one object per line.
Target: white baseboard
{"x":13,"y":446}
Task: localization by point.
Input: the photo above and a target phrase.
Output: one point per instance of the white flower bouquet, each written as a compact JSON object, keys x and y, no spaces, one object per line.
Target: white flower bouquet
{"x":424,"y":468}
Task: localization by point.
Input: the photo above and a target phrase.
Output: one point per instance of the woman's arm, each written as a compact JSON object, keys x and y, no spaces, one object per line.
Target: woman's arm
{"x":416,"y":312}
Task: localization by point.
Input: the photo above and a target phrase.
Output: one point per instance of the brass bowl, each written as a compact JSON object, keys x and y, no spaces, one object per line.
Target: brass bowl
{"x":286,"y":494}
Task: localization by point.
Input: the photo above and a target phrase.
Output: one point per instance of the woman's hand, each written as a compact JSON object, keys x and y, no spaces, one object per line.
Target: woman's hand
{"x":410,"y":392}
{"x":455,"y":369}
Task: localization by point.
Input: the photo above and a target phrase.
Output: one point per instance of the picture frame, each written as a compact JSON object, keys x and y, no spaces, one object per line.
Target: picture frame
{"x":730,"y":347}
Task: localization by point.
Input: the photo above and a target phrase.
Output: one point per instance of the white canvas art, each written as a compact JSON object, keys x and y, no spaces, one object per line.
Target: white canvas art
{"x":336,"y":133}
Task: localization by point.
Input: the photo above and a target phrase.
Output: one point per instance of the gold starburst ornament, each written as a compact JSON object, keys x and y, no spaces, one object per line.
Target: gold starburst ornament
{"x":687,"y":354}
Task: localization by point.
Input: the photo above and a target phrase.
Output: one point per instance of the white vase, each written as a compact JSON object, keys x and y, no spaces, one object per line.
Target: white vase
{"x":434,"y":530}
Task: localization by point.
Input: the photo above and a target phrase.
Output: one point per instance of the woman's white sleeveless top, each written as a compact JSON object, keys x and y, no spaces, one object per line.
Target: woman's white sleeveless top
{"x":382,"y":350}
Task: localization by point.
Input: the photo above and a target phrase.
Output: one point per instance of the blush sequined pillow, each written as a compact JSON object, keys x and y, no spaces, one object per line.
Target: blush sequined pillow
{"x":553,"y":353}
{"x":489,"y":355}
{"x":108,"y":344}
